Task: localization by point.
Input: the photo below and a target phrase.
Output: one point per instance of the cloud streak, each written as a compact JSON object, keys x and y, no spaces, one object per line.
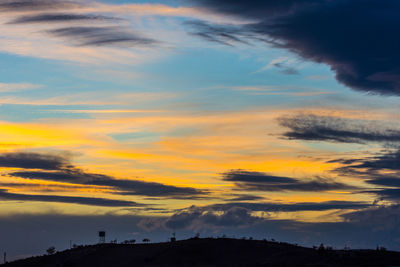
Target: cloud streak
{"x":311,"y":127}
{"x":5,"y":195}
{"x":59,"y":17}
{"x":59,"y":169}
{"x":101,"y":36}
{"x":36,"y":5}
{"x":382,"y":171}
{"x":258,"y":181}
{"x":29,"y":160}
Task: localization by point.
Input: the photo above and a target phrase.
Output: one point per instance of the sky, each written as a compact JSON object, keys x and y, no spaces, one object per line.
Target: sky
{"x":269,"y":119}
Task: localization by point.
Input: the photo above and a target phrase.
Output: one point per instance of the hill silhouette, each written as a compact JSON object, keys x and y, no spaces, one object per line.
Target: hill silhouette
{"x":210,"y":252}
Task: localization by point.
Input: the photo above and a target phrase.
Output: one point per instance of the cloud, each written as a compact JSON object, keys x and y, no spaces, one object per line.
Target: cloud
{"x":358,"y":42}
{"x":124,"y":187}
{"x":389,"y":161}
{"x":335,"y":129}
{"x":36,"y":5}
{"x":258,"y":181}
{"x":196,"y":218}
{"x":100,"y":36}
{"x":234,"y":217}
{"x":59,"y":17}
{"x":381,"y":218}
{"x":382,"y":171}
{"x":237,"y":215}
{"x":35,"y":26}
{"x":222,"y":35}
{"x":5,"y":195}
{"x":59,"y":169}
{"x":17,"y":87}
{"x":245,"y":197}
{"x":291,"y":207}
{"x":29,"y":160}
{"x":284,"y":64}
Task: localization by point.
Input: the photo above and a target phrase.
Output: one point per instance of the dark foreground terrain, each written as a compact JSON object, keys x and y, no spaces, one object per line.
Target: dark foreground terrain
{"x":210,"y":252}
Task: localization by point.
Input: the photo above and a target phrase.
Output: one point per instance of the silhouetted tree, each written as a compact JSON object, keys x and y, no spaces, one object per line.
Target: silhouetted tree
{"x":146,"y":240}
{"x":51,"y":250}
{"x":378,"y":248}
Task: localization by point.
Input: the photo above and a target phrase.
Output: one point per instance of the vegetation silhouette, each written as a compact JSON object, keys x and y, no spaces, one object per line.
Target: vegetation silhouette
{"x":211,"y":252}
{"x":51,"y":250}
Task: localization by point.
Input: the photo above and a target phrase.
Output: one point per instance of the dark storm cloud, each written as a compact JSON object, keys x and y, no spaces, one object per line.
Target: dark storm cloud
{"x":359,"y":40}
{"x":36,"y":5}
{"x":256,"y":9}
{"x":258,"y":181}
{"x":59,"y":17}
{"x":101,"y":36}
{"x":5,"y":195}
{"x":59,"y":169}
{"x":334,"y":129}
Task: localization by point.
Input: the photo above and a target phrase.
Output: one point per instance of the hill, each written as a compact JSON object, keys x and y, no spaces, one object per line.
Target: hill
{"x":209,"y":252}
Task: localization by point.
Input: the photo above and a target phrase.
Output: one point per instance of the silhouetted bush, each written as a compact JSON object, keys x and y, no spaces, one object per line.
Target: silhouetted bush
{"x":51,"y":250}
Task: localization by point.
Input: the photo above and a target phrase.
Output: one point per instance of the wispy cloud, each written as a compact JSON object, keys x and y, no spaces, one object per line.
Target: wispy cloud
{"x":36,"y":5}
{"x":336,"y":129}
{"x":8,"y":196}
{"x":17,"y":87}
{"x":257,"y":181}
{"x":59,"y":17}
{"x":100,"y":36}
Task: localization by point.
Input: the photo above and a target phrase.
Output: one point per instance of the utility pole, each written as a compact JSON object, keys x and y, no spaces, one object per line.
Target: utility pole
{"x":5,"y":257}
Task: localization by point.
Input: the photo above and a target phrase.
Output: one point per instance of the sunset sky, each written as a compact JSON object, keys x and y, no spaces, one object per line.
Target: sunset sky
{"x":270,"y":119}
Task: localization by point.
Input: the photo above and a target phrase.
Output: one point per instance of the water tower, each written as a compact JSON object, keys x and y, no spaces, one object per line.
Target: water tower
{"x":102,"y":237}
